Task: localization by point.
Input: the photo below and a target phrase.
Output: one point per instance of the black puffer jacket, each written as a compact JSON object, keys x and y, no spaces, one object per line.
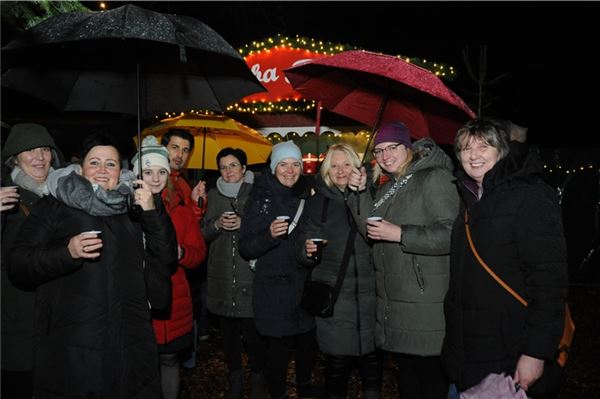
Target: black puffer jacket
{"x":18,"y":300}
{"x":92,"y":321}
{"x":279,"y":279}
{"x":351,"y":329}
{"x":516,"y":228}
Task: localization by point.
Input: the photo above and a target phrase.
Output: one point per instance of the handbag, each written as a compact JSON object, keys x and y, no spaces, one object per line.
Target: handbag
{"x":494,"y":386}
{"x":569,"y":328}
{"x":319,"y":298}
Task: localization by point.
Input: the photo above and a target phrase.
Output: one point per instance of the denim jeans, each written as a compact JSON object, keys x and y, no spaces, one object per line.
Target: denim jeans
{"x":453,"y":392}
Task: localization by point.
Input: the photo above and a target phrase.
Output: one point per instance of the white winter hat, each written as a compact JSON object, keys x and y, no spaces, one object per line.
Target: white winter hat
{"x":284,"y":150}
{"x":153,"y":154}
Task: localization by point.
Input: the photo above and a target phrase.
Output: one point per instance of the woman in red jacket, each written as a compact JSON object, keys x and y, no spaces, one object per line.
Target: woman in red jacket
{"x":173,"y":328}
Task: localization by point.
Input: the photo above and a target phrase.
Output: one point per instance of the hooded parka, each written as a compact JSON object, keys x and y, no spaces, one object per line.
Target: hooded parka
{"x":516,"y":228}
{"x":18,"y":299}
{"x":412,"y":276}
{"x":351,"y":329}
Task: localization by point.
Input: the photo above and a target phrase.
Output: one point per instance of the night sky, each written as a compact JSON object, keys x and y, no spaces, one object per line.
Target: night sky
{"x":546,"y":49}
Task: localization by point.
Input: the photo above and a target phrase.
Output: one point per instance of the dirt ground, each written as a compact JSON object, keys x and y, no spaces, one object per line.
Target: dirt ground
{"x":208,"y":380}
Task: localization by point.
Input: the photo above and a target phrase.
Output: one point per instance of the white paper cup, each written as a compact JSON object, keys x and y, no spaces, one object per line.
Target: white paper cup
{"x":98,"y":235}
{"x":97,"y":232}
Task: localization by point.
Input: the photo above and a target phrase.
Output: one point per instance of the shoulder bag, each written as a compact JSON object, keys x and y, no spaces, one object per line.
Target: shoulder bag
{"x":319,"y":298}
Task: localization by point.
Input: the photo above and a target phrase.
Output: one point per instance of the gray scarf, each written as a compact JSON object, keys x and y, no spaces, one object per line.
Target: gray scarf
{"x":231,"y":190}
{"x":72,"y":189}
{"x":22,"y":179}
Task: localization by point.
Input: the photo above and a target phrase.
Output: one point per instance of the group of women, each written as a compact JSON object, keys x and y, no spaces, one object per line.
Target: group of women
{"x":413,"y":288}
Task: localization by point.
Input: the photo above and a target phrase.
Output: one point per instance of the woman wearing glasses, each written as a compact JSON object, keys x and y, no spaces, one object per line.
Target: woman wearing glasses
{"x":229,"y":277}
{"x":418,"y":203}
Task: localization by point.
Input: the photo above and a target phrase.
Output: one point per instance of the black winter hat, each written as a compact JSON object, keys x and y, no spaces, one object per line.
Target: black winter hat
{"x":25,"y":136}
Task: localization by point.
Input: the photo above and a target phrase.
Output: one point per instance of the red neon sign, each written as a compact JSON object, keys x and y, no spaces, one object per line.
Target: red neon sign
{"x":268,"y":67}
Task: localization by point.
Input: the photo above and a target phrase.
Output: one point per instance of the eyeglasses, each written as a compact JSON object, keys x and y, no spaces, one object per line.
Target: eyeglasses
{"x":379,"y":151}
{"x":232,"y":165}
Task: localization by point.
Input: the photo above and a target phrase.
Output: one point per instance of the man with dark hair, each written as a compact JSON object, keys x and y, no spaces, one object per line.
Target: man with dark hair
{"x":180,"y":144}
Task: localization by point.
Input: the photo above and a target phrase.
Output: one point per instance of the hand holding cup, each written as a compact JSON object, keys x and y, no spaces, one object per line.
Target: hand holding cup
{"x":9,"y":197}
{"x":372,"y":223}
{"x":230,"y":221}
{"x":314,"y":248}
{"x":279,"y":227}
{"x":86,"y":245}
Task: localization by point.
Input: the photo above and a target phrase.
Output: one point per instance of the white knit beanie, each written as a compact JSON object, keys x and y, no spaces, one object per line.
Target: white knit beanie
{"x":153,"y":154}
{"x":281,"y":151}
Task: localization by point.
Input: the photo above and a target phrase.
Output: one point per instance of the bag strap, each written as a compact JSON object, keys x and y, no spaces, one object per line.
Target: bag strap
{"x":296,"y":216}
{"x":24,"y":208}
{"x":345,"y":261}
{"x":487,"y":268}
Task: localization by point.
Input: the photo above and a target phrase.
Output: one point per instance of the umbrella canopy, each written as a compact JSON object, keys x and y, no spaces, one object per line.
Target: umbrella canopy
{"x":128,"y":60}
{"x":90,"y":61}
{"x":373,"y":88}
{"x":212,"y":133}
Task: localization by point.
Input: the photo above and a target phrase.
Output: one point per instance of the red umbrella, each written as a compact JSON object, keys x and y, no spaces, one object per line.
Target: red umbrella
{"x":373,"y":88}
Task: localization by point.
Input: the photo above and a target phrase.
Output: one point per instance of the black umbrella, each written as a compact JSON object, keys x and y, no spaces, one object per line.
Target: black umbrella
{"x":128,"y":60}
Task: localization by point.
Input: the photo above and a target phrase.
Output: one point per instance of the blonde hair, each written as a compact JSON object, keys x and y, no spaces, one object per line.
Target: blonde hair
{"x":326,"y":165}
{"x":170,"y":190}
{"x":401,"y":171}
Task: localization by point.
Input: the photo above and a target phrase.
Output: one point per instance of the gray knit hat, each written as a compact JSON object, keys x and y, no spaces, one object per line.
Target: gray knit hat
{"x":25,"y":136}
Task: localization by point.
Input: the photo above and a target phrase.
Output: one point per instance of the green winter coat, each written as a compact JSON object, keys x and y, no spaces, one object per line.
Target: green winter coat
{"x":351,"y":329}
{"x":229,"y":278}
{"x":412,"y":276}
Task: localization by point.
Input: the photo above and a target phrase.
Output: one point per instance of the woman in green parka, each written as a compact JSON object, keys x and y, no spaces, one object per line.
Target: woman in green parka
{"x":411,"y":246}
{"x":348,"y":337}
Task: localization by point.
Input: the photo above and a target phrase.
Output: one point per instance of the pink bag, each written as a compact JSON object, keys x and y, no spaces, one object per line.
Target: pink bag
{"x":494,"y":386}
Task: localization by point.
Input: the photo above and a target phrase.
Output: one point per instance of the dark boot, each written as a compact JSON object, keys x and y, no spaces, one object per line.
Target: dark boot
{"x":309,"y":391}
{"x":236,"y":385}
{"x":371,"y":395}
{"x":259,"y":389}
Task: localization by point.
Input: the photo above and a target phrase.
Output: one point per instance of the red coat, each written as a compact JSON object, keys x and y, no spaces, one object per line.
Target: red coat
{"x":190,"y":238}
{"x":183,"y":189}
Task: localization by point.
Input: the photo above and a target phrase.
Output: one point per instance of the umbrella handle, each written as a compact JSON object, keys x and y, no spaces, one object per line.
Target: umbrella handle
{"x":371,"y":137}
{"x":135,"y":209}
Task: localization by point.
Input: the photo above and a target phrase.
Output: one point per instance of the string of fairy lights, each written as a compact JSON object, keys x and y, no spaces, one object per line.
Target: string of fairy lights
{"x":320,"y":47}
{"x":298,"y":42}
{"x":328,"y":48}
{"x":558,"y":169}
